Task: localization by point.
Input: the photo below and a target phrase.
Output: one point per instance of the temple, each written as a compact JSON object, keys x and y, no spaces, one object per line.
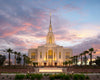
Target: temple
{"x":50,"y":54}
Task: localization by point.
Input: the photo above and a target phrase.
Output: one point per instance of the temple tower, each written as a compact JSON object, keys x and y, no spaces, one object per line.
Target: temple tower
{"x":50,"y":36}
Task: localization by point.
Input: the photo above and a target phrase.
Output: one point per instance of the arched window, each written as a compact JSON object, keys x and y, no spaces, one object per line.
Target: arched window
{"x":67,"y":55}
{"x":33,"y":56}
{"x":50,"y":40}
{"x":60,"y":55}
{"x":54,"y":56}
{"x":40,"y":54}
{"x":46,"y":55}
{"x":50,"y":54}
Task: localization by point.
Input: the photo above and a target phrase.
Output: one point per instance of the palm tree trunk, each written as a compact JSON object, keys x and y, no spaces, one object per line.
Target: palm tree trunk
{"x":85,"y":61}
{"x":91,"y":58}
{"x":9,"y":59}
{"x":15,"y":59}
{"x":81,"y":61}
{"x":24,"y":61}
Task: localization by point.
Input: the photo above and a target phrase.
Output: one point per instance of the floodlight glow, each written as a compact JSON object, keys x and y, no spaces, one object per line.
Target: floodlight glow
{"x":50,"y":70}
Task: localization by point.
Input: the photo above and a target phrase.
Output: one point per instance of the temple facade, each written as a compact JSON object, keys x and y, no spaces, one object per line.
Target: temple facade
{"x":50,"y":54}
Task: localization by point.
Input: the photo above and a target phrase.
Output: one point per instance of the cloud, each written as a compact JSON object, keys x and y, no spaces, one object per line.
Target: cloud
{"x":24,"y":24}
{"x":71,"y":7}
{"x":88,"y":43}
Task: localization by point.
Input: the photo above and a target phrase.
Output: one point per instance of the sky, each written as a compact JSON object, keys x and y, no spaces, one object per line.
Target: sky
{"x":24,"y":24}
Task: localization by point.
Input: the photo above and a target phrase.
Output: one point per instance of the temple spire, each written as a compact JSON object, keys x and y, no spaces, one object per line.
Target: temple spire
{"x":50,"y":26}
{"x":50,"y":18}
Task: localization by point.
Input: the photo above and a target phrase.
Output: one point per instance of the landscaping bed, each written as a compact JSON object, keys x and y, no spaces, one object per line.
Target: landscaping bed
{"x":60,"y":76}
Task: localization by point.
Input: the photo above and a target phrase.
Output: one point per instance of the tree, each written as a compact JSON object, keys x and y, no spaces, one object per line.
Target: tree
{"x":15,"y":53}
{"x":85,"y":58}
{"x":9,"y":51}
{"x":24,"y":59}
{"x":81,"y":58}
{"x":91,"y":50}
{"x":2,"y":59}
{"x":65,"y":63}
{"x":76,"y":60}
{"x":35,"y":63}
{"x":70,"y":62}
{"x":18,"y":59}
{"x":73,"y":59}
{"x":27,"y":60}
{"x":97,"y":60}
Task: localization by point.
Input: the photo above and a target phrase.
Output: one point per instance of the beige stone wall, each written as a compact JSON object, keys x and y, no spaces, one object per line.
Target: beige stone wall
{"x":66,"y":53}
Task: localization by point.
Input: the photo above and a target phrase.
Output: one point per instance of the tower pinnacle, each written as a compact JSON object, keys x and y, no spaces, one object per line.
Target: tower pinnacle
{"x":50,"y":26}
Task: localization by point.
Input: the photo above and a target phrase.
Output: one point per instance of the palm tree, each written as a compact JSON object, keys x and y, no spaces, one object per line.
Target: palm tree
{"x":65,"y":63}
{"x":27,"y":60}
{"x":24,"y":59}
{"x":18,"y":58}
{"x":9,"y":51}
{"x":2,"y":59}
{"x":85,"y":58}
{"x":15,"y":56}
{"x":73,"y":59}
{"x":76,"y":59}
{"x":70,"y":62}
{"x":91,"y":50}
{"x":81,"y":58}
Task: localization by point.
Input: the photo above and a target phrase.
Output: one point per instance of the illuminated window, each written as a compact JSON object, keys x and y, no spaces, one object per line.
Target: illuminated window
{"x":33,"y":55}
{"x":59,"y":54}
{"x":46,"y":55}
{"x":50,"y":40}
{"x":54,"y":55}
{"x":40,"y":54}
{"x":50,"y":54}
{"x":67,"y":55}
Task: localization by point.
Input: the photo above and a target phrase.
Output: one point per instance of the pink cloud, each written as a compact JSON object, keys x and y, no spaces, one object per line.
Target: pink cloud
{"x":13,"y":31}
{"x":29,"y":24}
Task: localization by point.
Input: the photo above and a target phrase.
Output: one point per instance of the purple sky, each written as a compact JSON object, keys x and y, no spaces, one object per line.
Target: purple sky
{"x":24,"y":24}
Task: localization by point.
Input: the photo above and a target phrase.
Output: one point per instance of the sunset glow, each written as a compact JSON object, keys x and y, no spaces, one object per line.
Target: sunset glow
{"x":24,"y":24}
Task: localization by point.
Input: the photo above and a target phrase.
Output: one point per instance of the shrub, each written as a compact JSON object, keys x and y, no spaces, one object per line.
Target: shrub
{"x":81,"y":77}
{"x":78,"y":77}
{"x":46,"y":74}
{"x":52,"y":77}
{"x":27,"y":76}
{"x":67,"y":77}
{"x":32,"y":76}
{"x":75,"y":77}
{"x":39,"y":76}
{"x":19,"y":77}
{"x":87,"y":78}
{"x":61,"y":75}
{"x":57,"y":76}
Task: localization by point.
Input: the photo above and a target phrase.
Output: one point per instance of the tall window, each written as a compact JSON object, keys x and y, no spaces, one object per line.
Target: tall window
{"x":50,"y":40}
{"x":46,"y":55}
{"x":50,"y":54}
{"x":40,"y":54}
{"x":67,"y":55}
{"x":60,"y":55}
{"x":54,"y":55}
{"x":33,"y":56}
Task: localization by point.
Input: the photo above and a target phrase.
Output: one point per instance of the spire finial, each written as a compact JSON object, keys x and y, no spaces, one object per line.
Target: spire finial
{"x":50,"y":18}
{"x":50,"y":27}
